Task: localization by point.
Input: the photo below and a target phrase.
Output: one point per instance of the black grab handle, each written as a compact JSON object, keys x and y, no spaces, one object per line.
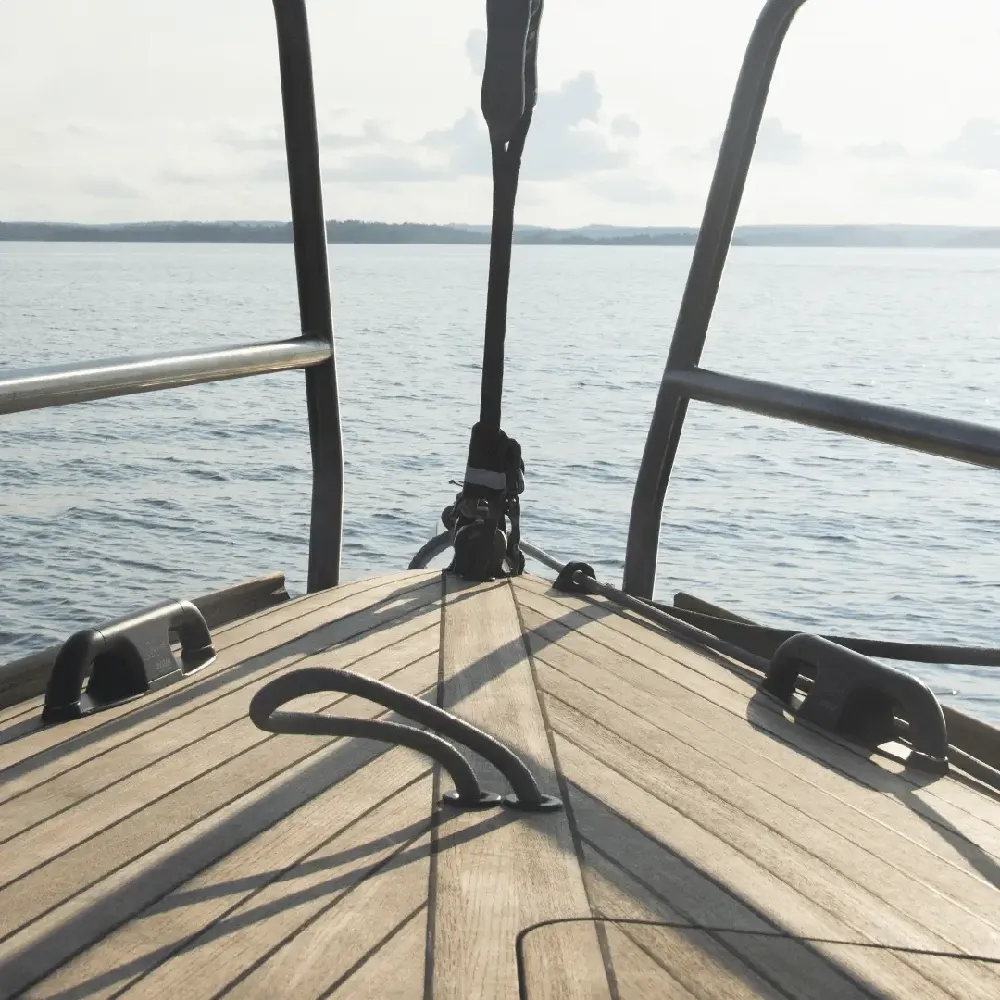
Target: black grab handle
{"x":313,"y":680}
{"x":510,"y":76}
{"x":859,"y":698}
{"x":125,"y":658}
{"x":265,"y":715}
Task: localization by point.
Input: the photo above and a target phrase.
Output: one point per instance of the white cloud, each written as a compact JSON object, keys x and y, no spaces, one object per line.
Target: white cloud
{"x":923,"y":182}
{"x":119,"y":110}
{"x":777,"y":144}
{"x":475,"y":49}
{"x":113,"y":188}
{"x":977,"y":145}
{"x":625,"y":126}
{"x":884,"y":150}
{"x":383,"y":168}
{"x":567,"y":139}
{"x":628,"y":189}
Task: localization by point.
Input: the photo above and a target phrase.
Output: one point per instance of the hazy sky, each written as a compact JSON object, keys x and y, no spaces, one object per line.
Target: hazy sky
{"x":882,"y":111}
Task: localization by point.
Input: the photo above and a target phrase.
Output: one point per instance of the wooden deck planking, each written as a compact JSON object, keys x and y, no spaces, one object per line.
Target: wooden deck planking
{"x":701,"y":772}
{"x":305,"y":930}
{"x":640,"y":976}
{"x":954,"y":801}
{"x":712,"y":686}
{"x":887,"y":828}
{"x":293,"y":626}
{"x":357,"y":632}
{"x":55,"y":883}
{"x":324,"y":956}
{"x":665,"y":945}
{"x":660,"y":886}
{"x":172,"y":761}
{"x":395,"y":972}
{"x":862,"y":913}
{"x":215,"y":901}
{"x":693,"y":960}
{"x":309,"y":867}
{"x":655,"y":653}
{"x":110,"y":902}
{"x":22,"y":709}
{"x":815,"y":871}
{"x":543,"y":977}
{"x":322,"y":601}
{"x":526,"y":869}
{"x":141,"y":822}
{"x":779,"y":904}
{"x":231,"y":633}
{"x":186,"y":729}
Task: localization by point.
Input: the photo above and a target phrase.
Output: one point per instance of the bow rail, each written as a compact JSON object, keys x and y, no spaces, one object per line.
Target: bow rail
{"x":683,"y":380}
{"x":61,"y":385}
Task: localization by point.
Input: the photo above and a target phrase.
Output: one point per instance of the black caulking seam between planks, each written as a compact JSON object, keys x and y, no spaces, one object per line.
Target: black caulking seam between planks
{"x":183,"y":829}
{"x":732,"y":846}
{"x":602,"y":937}
{"x":711,"y":794}
{"x":432,"y":875}
{"x":200,"y":686}
{"x":237,"y":720}
{"x":372,"y":952}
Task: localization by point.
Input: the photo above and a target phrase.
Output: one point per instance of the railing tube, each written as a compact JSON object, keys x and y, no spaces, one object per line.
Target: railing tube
{"x":707,"y":264}
{"x":312,"y":273}
{"x":942,"y":436}
{"x":82,"y":381}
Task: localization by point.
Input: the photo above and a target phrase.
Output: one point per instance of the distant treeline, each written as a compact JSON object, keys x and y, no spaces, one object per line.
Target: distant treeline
{"x":354,"y":231}
{"x":350,"y":231}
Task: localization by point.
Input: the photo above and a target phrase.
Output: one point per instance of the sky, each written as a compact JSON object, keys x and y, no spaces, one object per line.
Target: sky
{"x":882,"y":111}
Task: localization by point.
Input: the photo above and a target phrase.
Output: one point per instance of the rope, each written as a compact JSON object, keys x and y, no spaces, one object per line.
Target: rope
{"x":579,"y":577}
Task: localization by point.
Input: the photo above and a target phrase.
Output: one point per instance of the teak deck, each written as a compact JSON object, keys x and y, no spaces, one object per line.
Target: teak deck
{"x":710,"y":846}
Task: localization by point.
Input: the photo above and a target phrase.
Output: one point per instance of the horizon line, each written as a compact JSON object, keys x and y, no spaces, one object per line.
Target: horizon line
{"x":486,"y":225}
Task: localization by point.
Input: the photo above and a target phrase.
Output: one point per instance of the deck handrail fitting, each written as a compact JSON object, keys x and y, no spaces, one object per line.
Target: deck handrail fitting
{"x":683,"y":380}
{"x":314,"y":350}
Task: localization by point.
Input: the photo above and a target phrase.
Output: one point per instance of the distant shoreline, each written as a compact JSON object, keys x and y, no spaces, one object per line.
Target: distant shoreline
{"x":357,"y":232}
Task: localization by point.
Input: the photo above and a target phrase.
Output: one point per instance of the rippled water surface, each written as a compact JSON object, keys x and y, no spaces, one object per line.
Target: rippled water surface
{"x":111,"y":505}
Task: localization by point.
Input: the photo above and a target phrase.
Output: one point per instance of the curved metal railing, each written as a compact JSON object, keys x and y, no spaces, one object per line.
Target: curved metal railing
{"x":61,"y":385}
{"x":683,"y":380}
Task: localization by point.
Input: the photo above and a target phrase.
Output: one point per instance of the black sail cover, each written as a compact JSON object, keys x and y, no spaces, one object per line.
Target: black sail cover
{"x":494,"y":479}
{"x":510,"y":77}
